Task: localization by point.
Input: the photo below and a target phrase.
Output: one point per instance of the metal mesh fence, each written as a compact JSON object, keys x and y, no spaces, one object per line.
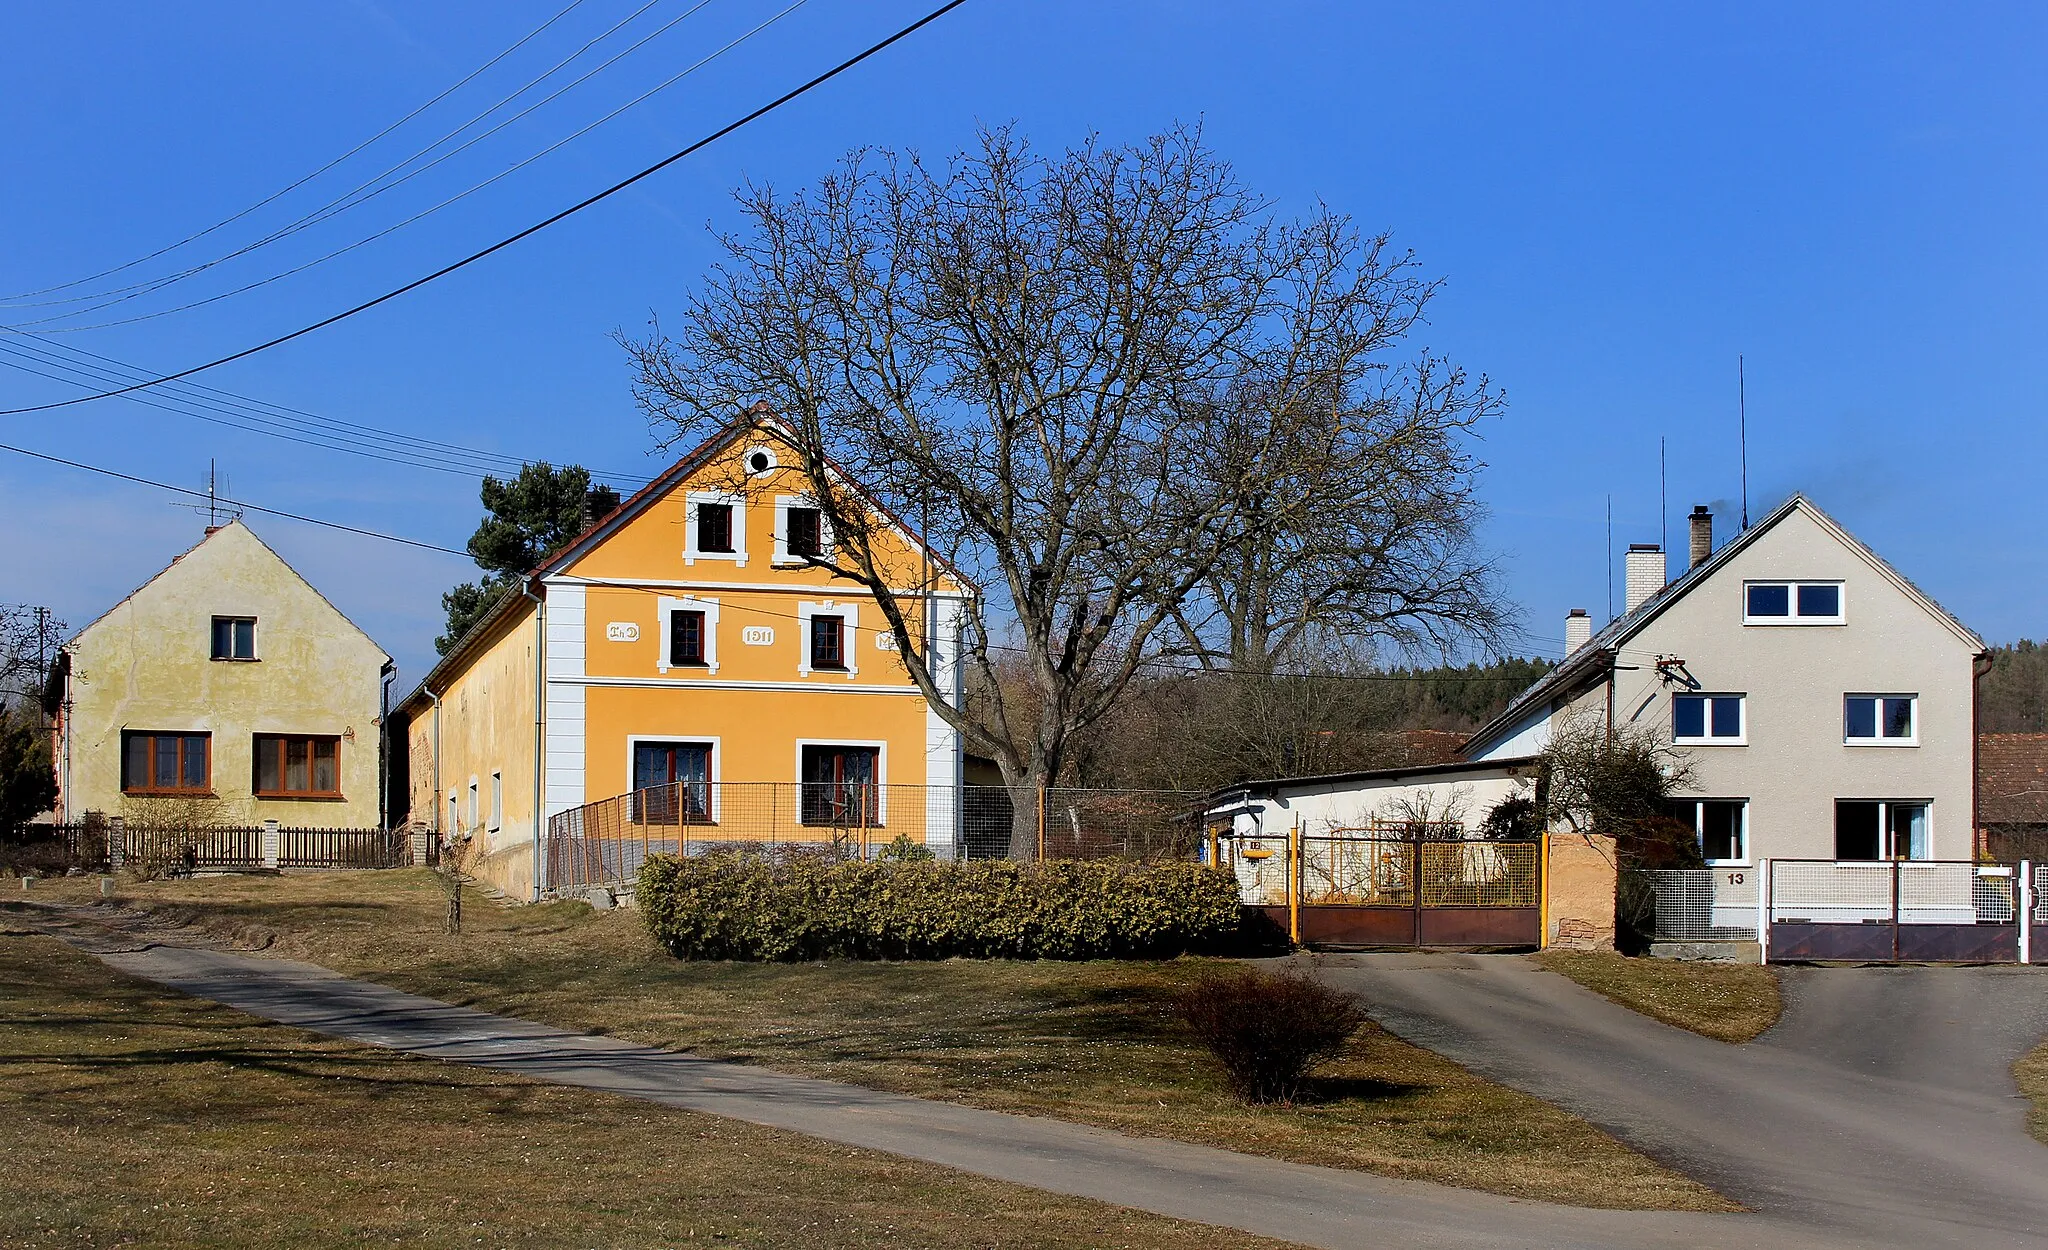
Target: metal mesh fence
{"x":1698,"y":904}
{"x":1379,"y":868}
{"x":1830,"y":892}
{"x":2041,"y":893}
{"x":1881,"y":892}
{"x":604,"y":843}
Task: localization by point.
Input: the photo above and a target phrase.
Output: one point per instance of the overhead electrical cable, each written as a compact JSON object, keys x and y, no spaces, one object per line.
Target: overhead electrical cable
{"x":243,"y":504}
{"x":396,"y":226}
{"x":537,"y":227}
{"x":274,"y":420}
{"x":275,"y":195}
{"x":365,"y":191}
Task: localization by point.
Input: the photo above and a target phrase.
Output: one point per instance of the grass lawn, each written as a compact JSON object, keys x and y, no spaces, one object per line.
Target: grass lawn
{"x":1727,"y":1002}
{"x":2032,"y":1074}
{"x":1092,"y":1042}
{"x":131,"y":1114}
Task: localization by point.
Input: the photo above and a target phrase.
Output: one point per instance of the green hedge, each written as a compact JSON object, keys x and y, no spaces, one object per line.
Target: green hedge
{"x":741,"y":906}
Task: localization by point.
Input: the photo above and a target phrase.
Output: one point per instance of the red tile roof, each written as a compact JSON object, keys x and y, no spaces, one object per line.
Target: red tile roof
{"x":2012,"y":776}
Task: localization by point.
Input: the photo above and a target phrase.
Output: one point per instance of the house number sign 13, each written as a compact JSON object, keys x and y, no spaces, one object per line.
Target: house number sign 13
{"x":758,"y":636}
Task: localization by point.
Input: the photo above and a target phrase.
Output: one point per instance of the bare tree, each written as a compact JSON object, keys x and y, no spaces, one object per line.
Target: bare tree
{"x":1036,"y":360}
{"x":1617,"y":782}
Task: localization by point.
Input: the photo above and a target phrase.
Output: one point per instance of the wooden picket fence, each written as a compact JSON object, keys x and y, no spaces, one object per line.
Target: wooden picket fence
{"x":103,"y":846}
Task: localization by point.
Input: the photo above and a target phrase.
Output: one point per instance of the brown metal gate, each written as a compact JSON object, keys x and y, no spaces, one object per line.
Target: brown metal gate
{"x":1907,"y":911}
{"x":1392,"y":886}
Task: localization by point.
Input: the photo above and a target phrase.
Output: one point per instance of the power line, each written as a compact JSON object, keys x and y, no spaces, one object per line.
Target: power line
{"x":365,"y":191}
{"x":423,"y":213}
{"x":227,"y":221}
{"x":536,"y":228}
{"x":272,"y":420}
{"x":238,"y":503}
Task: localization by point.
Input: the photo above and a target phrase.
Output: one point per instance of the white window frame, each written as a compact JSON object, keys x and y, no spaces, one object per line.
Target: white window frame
{"x":1910,"y":740}
{"x":881,"y":747}
{"x":474,"y":792}
{"x":1884,"y":827}
{"x":713,"y":741}
{"x":497,"y":801}
{"x":849,"y":641}
{"x":1699,"y":832}
{"x":691,"y":554}
{"x":783,"y":503}
{"x":666,"y":607}
{"x":1792,"y":585}
{"x":1741,"y":738}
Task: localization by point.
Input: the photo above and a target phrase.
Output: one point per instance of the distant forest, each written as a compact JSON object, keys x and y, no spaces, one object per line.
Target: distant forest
{"x":1201,"y":731}
{"x":2015,"y":691}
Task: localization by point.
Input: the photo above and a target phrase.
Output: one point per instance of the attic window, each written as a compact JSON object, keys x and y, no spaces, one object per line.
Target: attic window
{"x":1792,"y":603}
{"x":234,"y":637}
{"x":760,"y":460}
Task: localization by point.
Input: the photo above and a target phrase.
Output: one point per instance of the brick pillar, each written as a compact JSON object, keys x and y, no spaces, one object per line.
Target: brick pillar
{"x":117,"y":842}
{"x":270,"y":844}
{"x":1578,"y":886}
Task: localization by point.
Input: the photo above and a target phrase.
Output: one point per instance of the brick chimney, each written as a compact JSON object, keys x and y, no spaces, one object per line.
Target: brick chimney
{"x":1702,"y":534}
{"x":1644,"y":574}
{"x":1578,"y":629}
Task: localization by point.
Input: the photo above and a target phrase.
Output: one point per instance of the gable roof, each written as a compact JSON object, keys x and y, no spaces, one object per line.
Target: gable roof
{"x":210,"y":535}
{"x":760,"y":416}
{"x":1591,"y":660}
{"x":2012,"y":775}
{"x":1271,"y":787}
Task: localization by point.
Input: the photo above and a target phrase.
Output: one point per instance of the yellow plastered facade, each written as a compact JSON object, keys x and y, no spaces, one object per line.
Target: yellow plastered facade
{"x":607,"y":680}
{"x":147,"y":667}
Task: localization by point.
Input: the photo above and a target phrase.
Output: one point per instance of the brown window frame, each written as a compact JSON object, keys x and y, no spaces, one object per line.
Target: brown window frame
{"x":213,"y":640}
{"x":723,"y":511}
{"x":311,"y":741}
{"x":183,"y":738}
{"x":837,"y":630}
{"x":677,"y":654}
{"x":829,"y":792}
{"x":813,"y":545}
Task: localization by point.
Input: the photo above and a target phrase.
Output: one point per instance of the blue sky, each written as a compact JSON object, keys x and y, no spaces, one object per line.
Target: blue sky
{"x":1622,"y":200}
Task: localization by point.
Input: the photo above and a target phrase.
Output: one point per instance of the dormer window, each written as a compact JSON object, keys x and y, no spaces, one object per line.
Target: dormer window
{"x":1792,"y":603}
{"x":234,"y":637}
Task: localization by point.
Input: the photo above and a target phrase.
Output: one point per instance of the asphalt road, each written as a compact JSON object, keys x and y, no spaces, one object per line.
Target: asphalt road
{"x":1880,"y":1109}
{"x":1325,"y":1207}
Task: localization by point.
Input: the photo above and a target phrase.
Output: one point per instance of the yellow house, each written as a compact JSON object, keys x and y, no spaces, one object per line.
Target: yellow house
{"x":686,"y":662}
{"x":225,"y":690}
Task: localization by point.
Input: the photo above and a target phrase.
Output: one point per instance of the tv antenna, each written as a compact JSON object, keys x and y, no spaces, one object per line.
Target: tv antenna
{"x":1742,"y":435}
{"x":217,"y":509}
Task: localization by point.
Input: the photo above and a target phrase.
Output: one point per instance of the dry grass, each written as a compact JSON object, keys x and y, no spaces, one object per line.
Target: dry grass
{"x":1092,"y":1042}
{"x":133,"y":1115}
{"x":1727,"y":1002}
{"x":2032,"y":1074}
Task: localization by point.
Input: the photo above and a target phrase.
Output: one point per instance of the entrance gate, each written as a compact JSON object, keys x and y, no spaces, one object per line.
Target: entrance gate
{"x":1391,"y":886}
{"x":1905,"y":911}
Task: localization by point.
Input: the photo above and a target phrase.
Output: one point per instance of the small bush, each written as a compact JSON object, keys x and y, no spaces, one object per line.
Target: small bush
{"x":1269,"y":1029}
{"x":725,"y":905}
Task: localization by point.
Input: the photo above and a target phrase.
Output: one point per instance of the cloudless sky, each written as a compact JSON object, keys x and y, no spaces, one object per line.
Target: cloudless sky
{"x":1621,"y":199}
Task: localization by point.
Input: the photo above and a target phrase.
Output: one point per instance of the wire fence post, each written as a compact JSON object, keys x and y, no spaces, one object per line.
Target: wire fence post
{"x":1041,"y":824}
{"x":1294,"y":883}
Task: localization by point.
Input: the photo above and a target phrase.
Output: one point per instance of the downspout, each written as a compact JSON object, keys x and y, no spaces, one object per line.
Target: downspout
{"x":384,"y":678}
{"x":1979,"y":843}
{"x":70,"y":729}
{"x":540,"y":702}
{"x":437,"y":763}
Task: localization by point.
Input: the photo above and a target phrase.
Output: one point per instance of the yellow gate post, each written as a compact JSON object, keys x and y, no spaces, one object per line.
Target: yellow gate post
{"x":1294,"y":883}
{"x":1543,"y":890}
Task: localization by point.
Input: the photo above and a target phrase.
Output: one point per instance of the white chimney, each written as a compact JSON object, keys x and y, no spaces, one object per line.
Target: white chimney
{"x":1645,"y":574}
{"x":1578,"y":630}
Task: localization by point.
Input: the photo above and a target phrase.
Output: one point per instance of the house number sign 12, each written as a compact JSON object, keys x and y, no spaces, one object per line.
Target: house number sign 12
{"x":758,"y":636}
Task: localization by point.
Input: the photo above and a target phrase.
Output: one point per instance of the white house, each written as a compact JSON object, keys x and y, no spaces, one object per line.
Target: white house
{"x":1827,"y":704}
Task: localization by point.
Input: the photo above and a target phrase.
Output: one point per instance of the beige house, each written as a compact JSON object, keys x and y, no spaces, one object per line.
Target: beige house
{"x":1826,"y":703}
{"x":226,"y":689}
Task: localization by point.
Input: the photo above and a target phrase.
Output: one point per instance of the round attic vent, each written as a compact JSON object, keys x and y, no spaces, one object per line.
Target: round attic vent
{"x":759,"y":461}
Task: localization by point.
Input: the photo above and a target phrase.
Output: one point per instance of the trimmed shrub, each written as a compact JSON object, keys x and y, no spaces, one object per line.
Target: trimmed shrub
{"x":727,"y":905}
{"x":1269,"y":1029}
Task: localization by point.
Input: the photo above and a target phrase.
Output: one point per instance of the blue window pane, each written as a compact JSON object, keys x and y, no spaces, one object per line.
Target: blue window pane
{"x":1688,"y":716}
{"x":1860,"y":718}
{"x":1770,"y":601}
{"x":1728,"y":717}
{"x":1824,"y":601}
{"x":1898,"y":718}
